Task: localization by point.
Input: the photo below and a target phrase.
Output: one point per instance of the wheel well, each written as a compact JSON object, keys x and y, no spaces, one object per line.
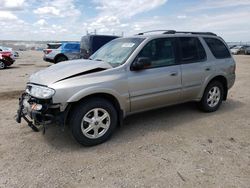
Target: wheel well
{"x":222,"y":80}
{"x":60,"y":55}
{"x":106,"y":96}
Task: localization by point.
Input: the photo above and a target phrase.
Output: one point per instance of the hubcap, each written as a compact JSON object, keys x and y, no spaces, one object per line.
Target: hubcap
{"x":1,"y":65}
{"x":95,"y":123}
{"x":213,"y":97}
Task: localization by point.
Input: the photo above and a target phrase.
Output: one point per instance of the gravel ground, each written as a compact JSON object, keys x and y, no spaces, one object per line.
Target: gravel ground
{"x":177,"y":146}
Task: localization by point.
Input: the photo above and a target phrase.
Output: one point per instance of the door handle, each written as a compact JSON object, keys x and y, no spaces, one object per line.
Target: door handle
{"x":173,"y":73}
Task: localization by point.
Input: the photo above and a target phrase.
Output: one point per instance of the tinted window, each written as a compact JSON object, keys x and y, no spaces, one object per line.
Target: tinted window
{"x":160,"y":52}
{"x":191,"y":50}
{"x":218,"y":48}
{"x":72,"y":46}
{"x":99,"y":41}
{"x":53,"y":46}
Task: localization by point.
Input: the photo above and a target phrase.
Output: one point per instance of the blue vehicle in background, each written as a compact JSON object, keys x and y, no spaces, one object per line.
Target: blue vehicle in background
{"x":57,"y":52}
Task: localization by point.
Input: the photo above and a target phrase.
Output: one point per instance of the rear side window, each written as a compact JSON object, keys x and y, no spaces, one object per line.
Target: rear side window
{"x":72,"y":46}
{"x":191,"y":50}
{"x":218,"y":48}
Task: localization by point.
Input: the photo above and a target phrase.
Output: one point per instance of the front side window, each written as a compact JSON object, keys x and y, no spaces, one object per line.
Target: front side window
{"x":160,"y":52}
{"x":191,"y":50}
{"x":218,"y":48}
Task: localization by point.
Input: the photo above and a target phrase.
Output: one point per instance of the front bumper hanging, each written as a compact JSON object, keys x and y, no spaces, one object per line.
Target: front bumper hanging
{"x":20,"y":114}
{"x":43,"y":116}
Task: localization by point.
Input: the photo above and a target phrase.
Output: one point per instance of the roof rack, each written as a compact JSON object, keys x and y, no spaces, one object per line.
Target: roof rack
{"x":174,"y":32}
{"x":142,"y":33}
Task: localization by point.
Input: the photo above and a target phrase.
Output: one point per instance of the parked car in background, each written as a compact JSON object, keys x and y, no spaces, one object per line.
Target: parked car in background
{"x":57,"y":52}
{"x":231,"y":46}
{"x":238,"y":49}
{"x":6,"y":49}
{"x":6,"y":59}
{"x":91,"y":43}
{"x":126,"y":76}
{"x":247,"y":50}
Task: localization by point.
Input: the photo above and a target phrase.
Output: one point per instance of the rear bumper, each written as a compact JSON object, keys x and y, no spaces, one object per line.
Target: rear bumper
{"x":230,"y":80}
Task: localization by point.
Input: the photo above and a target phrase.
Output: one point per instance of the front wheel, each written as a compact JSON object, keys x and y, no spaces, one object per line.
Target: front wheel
{"x":212,"y":97}
{"x":2,"y":65}
{"x":93,"y":121}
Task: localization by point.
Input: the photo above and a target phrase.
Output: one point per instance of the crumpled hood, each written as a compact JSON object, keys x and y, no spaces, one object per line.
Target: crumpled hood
{"x":67,"y":69}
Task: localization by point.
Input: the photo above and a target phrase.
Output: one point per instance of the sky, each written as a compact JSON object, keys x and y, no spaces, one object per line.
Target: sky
{"x":71,"y":19}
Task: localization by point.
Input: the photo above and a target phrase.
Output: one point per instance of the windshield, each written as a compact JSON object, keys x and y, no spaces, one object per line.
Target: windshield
{"x":117,"y":51}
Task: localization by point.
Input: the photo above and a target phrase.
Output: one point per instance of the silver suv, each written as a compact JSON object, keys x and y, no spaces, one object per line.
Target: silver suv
{"x":126,"y":76}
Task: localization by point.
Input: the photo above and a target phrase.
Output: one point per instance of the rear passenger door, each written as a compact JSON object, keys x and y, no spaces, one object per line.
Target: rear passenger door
{"x":194,"y":67}
{"x":160,"y":83}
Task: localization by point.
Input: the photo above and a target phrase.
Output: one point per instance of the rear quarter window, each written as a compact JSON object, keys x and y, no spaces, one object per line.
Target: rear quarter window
{"x":218,"y":48}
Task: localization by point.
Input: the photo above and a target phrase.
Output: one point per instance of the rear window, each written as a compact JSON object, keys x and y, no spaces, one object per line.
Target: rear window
{"x":191,"y":50}
{"x":218,"y":48}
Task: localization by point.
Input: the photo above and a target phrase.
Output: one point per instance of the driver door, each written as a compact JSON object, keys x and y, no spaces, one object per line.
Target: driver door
{"x":158,"y":84}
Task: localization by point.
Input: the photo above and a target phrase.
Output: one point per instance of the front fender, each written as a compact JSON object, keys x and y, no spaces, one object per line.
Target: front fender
{"x":122,"y":100}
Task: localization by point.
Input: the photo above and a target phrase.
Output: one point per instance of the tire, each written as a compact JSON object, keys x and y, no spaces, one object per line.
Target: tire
{"x":212,"y":97}
{"x":2,"y":65}
{"x":60,"y":59}
{"x":86,"y":128}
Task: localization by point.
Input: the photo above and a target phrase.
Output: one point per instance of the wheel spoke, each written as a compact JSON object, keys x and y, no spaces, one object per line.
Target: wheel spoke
{"x":90,"y":127}
{"x":88,"y":120}
{"x":103,"y":125}
{"x":96,"y":113}
{"x":104,"y":116}
{"x":96,"y":132}
{"x":209,"y":99}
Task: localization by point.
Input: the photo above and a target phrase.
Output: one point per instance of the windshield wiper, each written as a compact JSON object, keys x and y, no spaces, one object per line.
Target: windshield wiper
{"x":98,"y":59}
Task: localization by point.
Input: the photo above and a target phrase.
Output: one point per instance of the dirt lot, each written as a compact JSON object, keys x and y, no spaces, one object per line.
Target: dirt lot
{"x":172,"y":147}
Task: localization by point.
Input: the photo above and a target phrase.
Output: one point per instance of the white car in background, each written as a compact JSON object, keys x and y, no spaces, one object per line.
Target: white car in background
{"x":6,"y":49}
{"x":239,"y":49}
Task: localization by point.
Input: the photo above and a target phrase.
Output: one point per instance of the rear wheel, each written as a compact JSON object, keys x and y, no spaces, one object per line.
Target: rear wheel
{"x":60,"y":59}
{"x":93,"y":122}
{"x":212,"y":97}
{"x":2,"y":65}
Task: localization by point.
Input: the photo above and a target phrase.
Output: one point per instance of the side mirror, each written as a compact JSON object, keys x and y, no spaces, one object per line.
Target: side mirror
{"x":141,"y":63}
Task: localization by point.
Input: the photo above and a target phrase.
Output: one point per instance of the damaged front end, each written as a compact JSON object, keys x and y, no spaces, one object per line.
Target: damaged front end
{"x":38,"y":112}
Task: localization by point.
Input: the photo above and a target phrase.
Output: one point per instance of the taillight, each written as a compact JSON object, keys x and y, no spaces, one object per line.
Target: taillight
{"x":47,"y":51}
